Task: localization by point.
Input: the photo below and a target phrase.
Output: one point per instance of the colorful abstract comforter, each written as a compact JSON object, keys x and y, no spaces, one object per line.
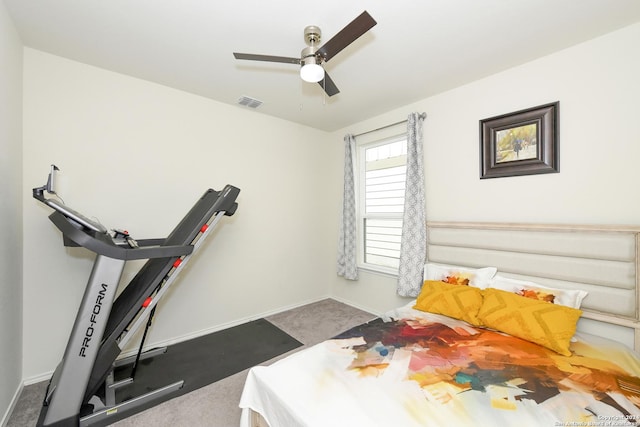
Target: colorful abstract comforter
{"x":422,"y":369}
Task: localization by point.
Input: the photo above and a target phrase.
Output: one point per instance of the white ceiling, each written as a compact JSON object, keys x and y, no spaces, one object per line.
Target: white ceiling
{"x":417,"y":49}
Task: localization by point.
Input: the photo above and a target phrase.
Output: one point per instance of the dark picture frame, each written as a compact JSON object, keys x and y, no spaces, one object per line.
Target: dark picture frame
{"x":524,"y":142}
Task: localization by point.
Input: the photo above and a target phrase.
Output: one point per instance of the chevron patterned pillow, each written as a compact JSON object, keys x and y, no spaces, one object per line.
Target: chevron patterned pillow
{"x":457,"y":301}
{"x":541,"y":322}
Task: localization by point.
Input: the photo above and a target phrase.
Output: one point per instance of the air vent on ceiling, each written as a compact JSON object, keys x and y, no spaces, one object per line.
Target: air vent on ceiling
{"x":249,"y":102}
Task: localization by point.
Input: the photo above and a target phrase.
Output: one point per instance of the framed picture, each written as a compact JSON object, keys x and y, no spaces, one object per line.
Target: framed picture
{"x":521,"y":143}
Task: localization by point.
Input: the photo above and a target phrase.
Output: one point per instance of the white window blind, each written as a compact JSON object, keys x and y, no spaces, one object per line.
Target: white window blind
{"x":382,"y":176}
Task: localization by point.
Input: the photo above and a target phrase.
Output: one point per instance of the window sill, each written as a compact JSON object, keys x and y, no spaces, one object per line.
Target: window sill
{"x":381,"y":271}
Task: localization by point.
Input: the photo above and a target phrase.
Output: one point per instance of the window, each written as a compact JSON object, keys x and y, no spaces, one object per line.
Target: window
{"x":382,"y":170}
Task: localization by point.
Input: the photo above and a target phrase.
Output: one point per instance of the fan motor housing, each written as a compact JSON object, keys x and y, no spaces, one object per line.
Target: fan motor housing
{"x":312,"y":35}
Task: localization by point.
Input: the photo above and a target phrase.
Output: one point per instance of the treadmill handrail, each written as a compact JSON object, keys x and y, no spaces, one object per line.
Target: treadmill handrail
{"x":102,"y":244}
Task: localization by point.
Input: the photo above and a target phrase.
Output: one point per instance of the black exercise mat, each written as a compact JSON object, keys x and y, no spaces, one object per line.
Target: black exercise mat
{"x":204,"y":360}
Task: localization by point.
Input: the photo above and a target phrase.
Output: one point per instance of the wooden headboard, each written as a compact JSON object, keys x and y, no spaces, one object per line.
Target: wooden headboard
{"x":602,"y":260}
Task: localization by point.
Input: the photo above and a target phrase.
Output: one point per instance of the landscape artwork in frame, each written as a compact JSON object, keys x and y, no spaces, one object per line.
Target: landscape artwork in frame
{"x":520,"y":143}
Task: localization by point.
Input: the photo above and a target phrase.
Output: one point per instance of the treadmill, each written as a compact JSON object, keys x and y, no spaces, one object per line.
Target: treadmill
{"x":82,"y":390}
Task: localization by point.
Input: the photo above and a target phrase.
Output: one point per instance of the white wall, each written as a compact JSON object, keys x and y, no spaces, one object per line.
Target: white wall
{"x":10,"y":212}
{"x":137,"y":155}
{"x":598,"y":88}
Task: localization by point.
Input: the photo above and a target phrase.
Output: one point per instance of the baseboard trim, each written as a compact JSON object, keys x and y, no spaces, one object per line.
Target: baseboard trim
{"x":225,"y":325}
{"x":12,"y":405}
{"x":38,"y":378}
{"x":358,"y":306}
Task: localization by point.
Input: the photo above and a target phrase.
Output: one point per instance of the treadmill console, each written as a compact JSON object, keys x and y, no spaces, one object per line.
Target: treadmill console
{"x":75,"y":216}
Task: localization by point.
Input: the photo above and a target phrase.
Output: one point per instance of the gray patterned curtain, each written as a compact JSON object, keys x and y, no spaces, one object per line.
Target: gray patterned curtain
{"x":347,"y":252}
{"x":413,"y":243}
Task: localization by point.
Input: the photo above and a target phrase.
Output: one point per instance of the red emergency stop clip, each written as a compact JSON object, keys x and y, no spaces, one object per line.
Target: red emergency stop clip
{"x":204,"y":228}
{"x":146,"y":302}
{"x":177,"y":263}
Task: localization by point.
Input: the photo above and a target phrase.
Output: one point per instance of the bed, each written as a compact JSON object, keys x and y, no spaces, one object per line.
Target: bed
{"x":517,"y":324}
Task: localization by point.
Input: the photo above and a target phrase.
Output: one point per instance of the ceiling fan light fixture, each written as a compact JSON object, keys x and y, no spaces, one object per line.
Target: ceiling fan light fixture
{"x":312,"y":73}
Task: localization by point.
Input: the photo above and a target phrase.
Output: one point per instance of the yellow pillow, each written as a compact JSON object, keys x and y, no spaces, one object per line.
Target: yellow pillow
{"x":457,"y":301}
{"x":541,"y":322}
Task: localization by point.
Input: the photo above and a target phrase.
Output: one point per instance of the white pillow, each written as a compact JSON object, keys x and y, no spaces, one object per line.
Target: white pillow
{"x":566,"y":297}
{"x":478,"y":277}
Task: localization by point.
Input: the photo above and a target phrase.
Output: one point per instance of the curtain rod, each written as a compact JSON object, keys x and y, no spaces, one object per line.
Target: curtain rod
{"x":380,"y":128}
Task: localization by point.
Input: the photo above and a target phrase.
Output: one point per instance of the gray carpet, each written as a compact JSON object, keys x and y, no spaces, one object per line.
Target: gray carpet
{"x":216,"y":405}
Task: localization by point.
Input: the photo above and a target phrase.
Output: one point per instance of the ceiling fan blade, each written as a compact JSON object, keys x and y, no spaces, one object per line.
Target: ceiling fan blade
{"x":347,"y":35}
{"x":267,"y":58}
{"x":328,"y":85}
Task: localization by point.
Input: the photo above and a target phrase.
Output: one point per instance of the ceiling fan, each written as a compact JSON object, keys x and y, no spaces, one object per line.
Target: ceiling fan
{"x":312,"y":57}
